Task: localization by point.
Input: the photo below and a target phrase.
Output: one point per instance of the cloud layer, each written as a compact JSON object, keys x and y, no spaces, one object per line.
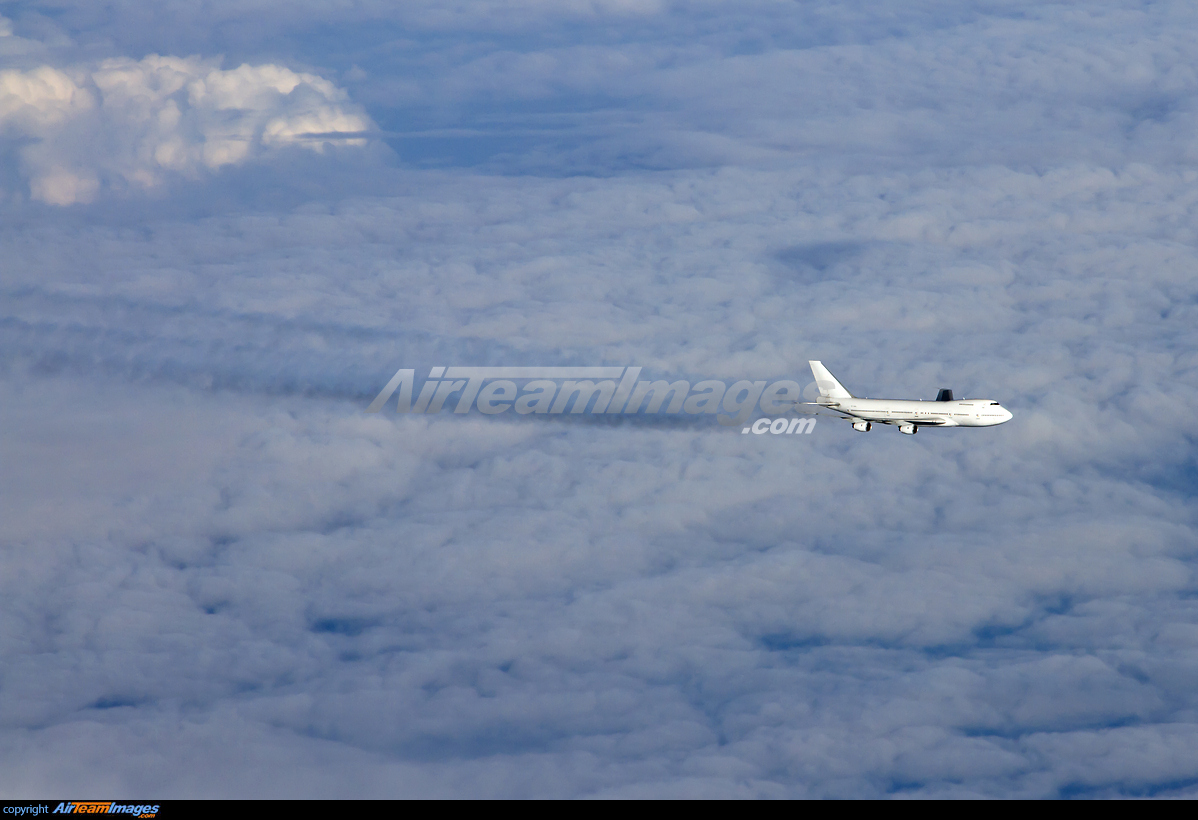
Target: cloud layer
{"x":219,"y":577}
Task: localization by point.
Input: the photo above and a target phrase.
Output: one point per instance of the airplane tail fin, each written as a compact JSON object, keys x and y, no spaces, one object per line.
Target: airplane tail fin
{"x":829,"y":388}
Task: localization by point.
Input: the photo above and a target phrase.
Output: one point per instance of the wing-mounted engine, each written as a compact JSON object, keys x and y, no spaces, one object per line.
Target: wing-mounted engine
{"x":862,"y":426}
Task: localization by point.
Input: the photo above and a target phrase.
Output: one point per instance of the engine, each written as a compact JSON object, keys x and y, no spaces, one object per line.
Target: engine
{"x":909,"y":429}
{"x":862,"y":426}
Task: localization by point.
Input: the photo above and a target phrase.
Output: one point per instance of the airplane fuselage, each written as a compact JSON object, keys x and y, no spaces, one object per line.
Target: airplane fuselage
{"x":960,"y":413}
{"x":908,"y":416}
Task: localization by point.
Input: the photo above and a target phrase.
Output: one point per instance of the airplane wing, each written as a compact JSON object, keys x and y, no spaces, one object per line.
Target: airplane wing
{"x":817,"y":409}
{"x":920,"y":421}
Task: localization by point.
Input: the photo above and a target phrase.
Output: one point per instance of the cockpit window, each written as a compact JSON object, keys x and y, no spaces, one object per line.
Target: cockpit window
{"x":995,"y":404}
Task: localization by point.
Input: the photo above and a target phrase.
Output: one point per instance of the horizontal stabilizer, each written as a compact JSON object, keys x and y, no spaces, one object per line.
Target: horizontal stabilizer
{"x":829,"y":388}
{"x":813,"y":409}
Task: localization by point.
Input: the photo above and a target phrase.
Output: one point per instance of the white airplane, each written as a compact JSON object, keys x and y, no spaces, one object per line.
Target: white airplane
{"x":908,"y":416}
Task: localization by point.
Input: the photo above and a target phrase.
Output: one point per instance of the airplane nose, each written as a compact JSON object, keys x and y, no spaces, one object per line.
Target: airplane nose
{"x":1007,"y":413}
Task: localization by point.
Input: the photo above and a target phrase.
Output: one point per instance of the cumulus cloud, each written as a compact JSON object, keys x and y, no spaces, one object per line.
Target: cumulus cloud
{"x":136,"y":122}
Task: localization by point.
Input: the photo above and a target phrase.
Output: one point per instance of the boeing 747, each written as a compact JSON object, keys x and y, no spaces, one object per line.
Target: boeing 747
{"x":908,"y":416}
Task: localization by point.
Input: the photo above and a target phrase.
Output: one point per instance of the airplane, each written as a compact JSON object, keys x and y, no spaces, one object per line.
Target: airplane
{"x":908,"y":416}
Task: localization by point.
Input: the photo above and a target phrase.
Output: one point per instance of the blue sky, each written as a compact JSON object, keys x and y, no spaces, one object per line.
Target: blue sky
{"x":219,"y":577}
